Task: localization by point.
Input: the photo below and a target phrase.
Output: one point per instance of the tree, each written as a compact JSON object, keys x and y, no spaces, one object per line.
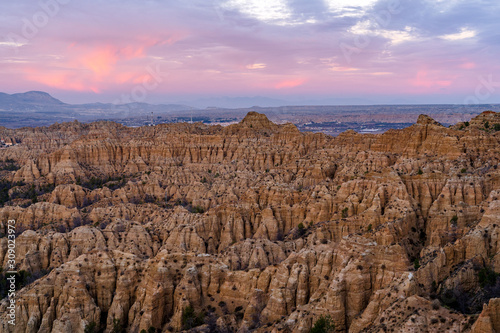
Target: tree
{"x":117,"y":326}
{"x":324,"y":324}
{"x":345,"y":213}
{"x":301,"y":227}
{"x":190,"y":319}
{"x":91,"y":327}
{"x":416,"y":264}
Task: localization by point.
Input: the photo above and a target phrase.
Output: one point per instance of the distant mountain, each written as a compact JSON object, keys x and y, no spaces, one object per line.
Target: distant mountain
{"x":32,"y":100}
{"x":36,"y":97}
{"x":44,"y":108}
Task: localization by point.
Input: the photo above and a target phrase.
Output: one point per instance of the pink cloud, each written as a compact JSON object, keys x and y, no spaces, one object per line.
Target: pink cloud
{"x":423,"y":80}
{"x":101,"y":61}
{"x":468,"y":65}
{"x":58,"y":79}
{"x":290,"y":83}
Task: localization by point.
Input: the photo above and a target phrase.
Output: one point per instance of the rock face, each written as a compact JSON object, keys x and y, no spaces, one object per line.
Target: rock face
{"x":254,"y":227}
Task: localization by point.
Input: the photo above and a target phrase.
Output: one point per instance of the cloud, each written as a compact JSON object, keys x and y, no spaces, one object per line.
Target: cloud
{"x":468,"y":65}
{"x":256,"y":66}
{"x":463,"y":34}
{"x":424,"y":79}
{"x":290,"y":83}
{"x":255,"y":46}
{"x":271,"y":11}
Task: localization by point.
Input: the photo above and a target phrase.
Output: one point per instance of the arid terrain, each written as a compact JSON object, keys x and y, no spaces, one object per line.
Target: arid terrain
{"x":252,"y":227}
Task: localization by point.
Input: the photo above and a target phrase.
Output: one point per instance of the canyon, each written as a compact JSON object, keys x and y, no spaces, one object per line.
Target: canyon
{"x":255,"y":226}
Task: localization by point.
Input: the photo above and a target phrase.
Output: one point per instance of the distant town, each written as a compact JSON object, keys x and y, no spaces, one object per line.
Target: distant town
{"x":6,"y":143}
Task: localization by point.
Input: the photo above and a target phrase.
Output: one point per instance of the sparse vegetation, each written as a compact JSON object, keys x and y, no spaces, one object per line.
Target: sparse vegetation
{"x":91,"y":327}
{"x":197,"y":210}
{"x":22,"y":192}
{"x":487,"y":277}
{"x":23,"y":278}
{"x":9,"y":165}
{"x":461,"y":299}
{"x":117,"y":326}
{"x":420,"y":172}
{"x":324,"y":324}
{"x":345,"y":212}
{"x":301,"y":229}
{"x":190,"y":318}
{"x":93,"y":183}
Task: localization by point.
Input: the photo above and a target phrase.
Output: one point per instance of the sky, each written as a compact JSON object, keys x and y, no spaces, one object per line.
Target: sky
{"x":293,"y":51}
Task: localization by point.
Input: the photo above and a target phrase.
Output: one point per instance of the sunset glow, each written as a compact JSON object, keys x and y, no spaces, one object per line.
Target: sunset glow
{"x":375,"y":50}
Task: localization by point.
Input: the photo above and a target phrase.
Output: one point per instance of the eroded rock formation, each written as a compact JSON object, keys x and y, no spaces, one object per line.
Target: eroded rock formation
{"x":255,"y":227}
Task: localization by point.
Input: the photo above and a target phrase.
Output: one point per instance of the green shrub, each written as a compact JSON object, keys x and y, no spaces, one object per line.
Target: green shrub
{"x":464,"y":170}
{"x":345,"y":212}
{"x":416,"y":263}
{"x":91,"y":327}
{"x":197,"y":210}
{"x":117,"y":326}
{"x":487,"y":277}
{"x":190,"y":318}
{"x":301,"y":228}
{"x":324,"y":324}
{"x":454,"y":220}
{"x":420,"y":172}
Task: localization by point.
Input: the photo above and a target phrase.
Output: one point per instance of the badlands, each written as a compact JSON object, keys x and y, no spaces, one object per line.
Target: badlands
{"x":253,"y":227}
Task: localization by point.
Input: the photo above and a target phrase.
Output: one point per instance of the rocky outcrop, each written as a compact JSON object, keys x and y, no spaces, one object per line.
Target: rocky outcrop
{"x":489,"y":319}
